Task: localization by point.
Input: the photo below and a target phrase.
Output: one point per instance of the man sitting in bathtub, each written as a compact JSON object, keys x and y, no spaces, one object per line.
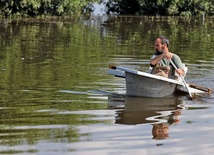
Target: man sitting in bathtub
{"x":160,"y":61}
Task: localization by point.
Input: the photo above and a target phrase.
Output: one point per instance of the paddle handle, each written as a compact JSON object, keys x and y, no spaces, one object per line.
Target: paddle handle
{"x":185,"y":84}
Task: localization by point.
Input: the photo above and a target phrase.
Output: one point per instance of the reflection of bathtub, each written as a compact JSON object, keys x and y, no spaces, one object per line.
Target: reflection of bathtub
{"x":144,"y":110}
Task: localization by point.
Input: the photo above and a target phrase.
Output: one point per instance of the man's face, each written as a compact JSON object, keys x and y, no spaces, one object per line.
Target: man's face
{"x":158,"y":46}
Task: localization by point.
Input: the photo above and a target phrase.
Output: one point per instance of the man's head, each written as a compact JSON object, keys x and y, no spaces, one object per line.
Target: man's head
{"x":161,"y":44}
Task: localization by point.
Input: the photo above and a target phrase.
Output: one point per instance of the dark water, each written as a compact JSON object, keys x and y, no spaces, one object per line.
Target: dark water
{"x":57,"y":98}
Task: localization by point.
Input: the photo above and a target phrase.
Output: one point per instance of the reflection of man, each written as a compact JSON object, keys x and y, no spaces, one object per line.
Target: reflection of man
{"x":160,"y":131}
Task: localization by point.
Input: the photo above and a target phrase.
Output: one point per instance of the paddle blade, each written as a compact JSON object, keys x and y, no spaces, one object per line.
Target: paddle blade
{"x":112,"y":67}
{"x":207,"y":90}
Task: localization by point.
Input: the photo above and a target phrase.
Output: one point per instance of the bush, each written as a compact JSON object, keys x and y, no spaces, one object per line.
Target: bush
{"x":162,"y":7}
{"x":42,"y":7}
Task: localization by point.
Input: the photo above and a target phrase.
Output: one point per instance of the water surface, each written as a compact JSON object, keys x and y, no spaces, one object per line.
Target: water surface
{"x":57,"y":97}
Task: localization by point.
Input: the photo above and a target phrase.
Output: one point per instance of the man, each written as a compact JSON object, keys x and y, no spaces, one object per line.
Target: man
{"x":160,"y":61}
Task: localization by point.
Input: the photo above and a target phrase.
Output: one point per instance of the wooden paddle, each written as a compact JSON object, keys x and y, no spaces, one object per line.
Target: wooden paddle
{"x":208,"y":90}
{"x":185,"y":84}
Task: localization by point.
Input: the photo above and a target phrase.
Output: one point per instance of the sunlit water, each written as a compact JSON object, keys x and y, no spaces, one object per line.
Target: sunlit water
{"x":57,"y":97}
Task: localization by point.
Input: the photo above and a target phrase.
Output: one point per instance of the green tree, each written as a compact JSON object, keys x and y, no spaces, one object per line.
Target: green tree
{"x":162,"y":7}
{"x":43,"y":7}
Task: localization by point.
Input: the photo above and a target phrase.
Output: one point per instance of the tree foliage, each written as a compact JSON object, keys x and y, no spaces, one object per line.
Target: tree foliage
{"x":162,"y":7}
{"x":74,"y":7}
{"x":42,"y":7}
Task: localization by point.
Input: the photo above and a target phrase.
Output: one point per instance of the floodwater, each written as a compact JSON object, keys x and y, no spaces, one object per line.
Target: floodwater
{"x":57,"y":96}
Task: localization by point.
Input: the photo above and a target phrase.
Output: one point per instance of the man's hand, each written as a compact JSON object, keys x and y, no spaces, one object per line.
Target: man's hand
{"x":180,"y":72}
{"x":168,"y":55}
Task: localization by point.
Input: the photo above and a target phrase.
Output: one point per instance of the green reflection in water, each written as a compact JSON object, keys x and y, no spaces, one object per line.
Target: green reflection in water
{"x":37,"y":61}
{"x":187,"y":36}
{"x":40,"y":61}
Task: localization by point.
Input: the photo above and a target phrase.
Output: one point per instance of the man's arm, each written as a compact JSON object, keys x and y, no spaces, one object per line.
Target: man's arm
{"x":156,"y":59}
{"x":179,"y":65}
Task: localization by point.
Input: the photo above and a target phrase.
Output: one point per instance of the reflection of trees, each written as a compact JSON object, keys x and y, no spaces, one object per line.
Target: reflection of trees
{"x":38,"y":50}
{"x":37,"y":60}
{"x":30,"y":119}
{"x":29,"y":127}
{"x":185,"y":34}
